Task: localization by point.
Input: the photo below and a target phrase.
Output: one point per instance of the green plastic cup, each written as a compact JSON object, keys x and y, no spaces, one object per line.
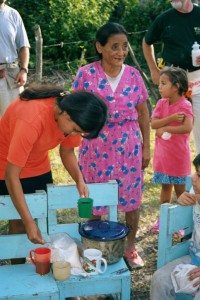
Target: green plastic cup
{"x":85,"y":207}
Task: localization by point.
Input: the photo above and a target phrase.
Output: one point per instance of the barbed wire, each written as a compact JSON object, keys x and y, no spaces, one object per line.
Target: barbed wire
{"x":61,"y":44}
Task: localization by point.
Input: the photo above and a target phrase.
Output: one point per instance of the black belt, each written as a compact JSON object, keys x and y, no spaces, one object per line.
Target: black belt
{"x":8,"y":63}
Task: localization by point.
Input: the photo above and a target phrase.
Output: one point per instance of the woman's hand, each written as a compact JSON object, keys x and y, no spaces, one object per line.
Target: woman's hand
{"x":193,"y":274}
{"x":33,"y":233}
{"x":145,"y":157}
{"x":82,"y":189}
{"x":187,"y":199}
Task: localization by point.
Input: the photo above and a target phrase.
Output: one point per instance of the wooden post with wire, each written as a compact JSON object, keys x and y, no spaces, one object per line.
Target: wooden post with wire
{"x":39,"y":44}
{"x":143,"y":75}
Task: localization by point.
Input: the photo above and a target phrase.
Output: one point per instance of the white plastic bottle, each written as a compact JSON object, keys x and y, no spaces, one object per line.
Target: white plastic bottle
{"x":195,"y":53}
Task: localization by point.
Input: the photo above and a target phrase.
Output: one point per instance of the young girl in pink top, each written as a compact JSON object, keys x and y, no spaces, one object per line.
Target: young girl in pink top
{"x":172,"y":119}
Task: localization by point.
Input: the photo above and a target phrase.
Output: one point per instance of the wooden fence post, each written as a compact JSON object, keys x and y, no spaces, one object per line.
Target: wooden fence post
{"x":153,"y":93}
{"x":39,"y":44}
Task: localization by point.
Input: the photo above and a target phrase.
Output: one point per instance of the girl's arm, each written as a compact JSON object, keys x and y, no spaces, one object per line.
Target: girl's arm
{"x":16,"y":193}
{"x":70,"y":163}
{"x":185,"y":127}
{"x":157,"y":123}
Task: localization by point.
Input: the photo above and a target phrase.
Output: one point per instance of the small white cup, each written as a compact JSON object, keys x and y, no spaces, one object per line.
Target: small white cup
{"x":92,"y":262}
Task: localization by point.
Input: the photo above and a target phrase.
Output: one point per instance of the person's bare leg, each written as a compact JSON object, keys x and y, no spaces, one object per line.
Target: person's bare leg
{"x":94,"y":217}
{"x":16,"y":227}
{"x":166,"y":193}
{"x":179,"y":189}
{"x":132,"y":220}
{"x":130,"y":252}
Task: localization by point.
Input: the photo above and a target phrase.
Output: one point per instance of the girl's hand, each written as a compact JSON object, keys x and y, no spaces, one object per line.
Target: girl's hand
{"x":193,"y":274}
{"x":33,"y":233}
{"x":82,"y":189}
{"x":187,"y":199}
{"x":178,"y":117}
{"x":160,"y":131}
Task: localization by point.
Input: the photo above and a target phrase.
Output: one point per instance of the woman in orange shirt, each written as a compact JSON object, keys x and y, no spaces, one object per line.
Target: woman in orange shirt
{"x":42,"y":118}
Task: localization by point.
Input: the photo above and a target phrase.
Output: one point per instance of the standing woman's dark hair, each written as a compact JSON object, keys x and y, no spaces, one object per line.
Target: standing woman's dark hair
{"x":87,"y":110}
{"x":107,"y":31}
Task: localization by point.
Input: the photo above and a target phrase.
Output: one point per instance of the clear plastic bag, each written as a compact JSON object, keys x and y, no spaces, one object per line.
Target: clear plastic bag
{"x":64,"y":248}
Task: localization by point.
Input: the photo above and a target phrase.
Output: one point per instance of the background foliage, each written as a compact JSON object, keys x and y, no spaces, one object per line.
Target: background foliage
{"x":71,"y":21}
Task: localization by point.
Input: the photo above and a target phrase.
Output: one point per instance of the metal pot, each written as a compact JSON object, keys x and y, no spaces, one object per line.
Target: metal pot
{"x":107,"y":236}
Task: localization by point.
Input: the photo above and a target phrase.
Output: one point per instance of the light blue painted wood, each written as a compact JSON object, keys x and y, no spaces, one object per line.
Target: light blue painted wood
{"x":18,"y":282}
{"x":107,"y":283}
{"x":188,"y":183}
{"x":34,"y":201}
{"x":22,"y":282}
{"x":172,"y":219}
{"x":66,"y":196}
{"x":184,"y":297}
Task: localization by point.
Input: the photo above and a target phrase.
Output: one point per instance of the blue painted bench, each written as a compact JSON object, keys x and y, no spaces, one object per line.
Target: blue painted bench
{"x":18,"y":282}
{"x":62,"y":197}
{"x":172,"y":219}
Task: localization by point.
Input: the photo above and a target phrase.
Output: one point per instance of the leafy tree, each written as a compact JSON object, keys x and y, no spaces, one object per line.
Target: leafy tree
{"x":137,"y":18}
{"x":66,"y":21}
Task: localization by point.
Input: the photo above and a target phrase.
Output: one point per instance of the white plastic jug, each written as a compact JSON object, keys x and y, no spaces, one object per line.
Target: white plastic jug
{"x":195,"y":53}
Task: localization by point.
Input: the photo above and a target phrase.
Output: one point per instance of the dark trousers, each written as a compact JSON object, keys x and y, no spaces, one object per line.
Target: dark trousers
{"x":29,"y":185}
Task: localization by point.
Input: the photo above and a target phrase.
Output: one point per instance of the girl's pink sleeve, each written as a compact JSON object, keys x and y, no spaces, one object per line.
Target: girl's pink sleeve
{"x":187,"y":109}
{"x":157,"y":110}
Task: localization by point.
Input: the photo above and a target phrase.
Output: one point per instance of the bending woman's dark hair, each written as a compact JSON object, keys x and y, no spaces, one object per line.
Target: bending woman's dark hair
{"x":106,"y":31}
{"x":86,"y":109}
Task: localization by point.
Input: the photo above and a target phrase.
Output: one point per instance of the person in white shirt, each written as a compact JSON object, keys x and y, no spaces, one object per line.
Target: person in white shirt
{"x":14,"y":55}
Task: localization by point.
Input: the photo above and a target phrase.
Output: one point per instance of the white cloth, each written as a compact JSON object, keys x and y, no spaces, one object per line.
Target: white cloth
{"x":161,"y":283}
{"x":194,"y":82}
{"x":115,"y":80}
{"x":180,"y":279}
{"x":196,"y":112}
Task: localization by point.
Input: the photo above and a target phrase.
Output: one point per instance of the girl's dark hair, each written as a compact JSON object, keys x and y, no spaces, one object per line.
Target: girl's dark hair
{"x":86,"y":109}
{"x":106,"y":31}
{"x":178,"y":77}
{"x":196,"y":161}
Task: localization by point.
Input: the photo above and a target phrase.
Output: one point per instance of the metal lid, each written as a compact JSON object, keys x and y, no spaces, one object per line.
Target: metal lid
{"x":103,"y":230}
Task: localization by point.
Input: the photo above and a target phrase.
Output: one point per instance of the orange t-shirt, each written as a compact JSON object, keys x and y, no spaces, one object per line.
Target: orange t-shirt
{"x":27,"y":131}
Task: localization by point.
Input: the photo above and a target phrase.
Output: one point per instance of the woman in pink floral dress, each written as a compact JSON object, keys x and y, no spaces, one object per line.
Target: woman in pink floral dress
{"x":121,"y":152}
